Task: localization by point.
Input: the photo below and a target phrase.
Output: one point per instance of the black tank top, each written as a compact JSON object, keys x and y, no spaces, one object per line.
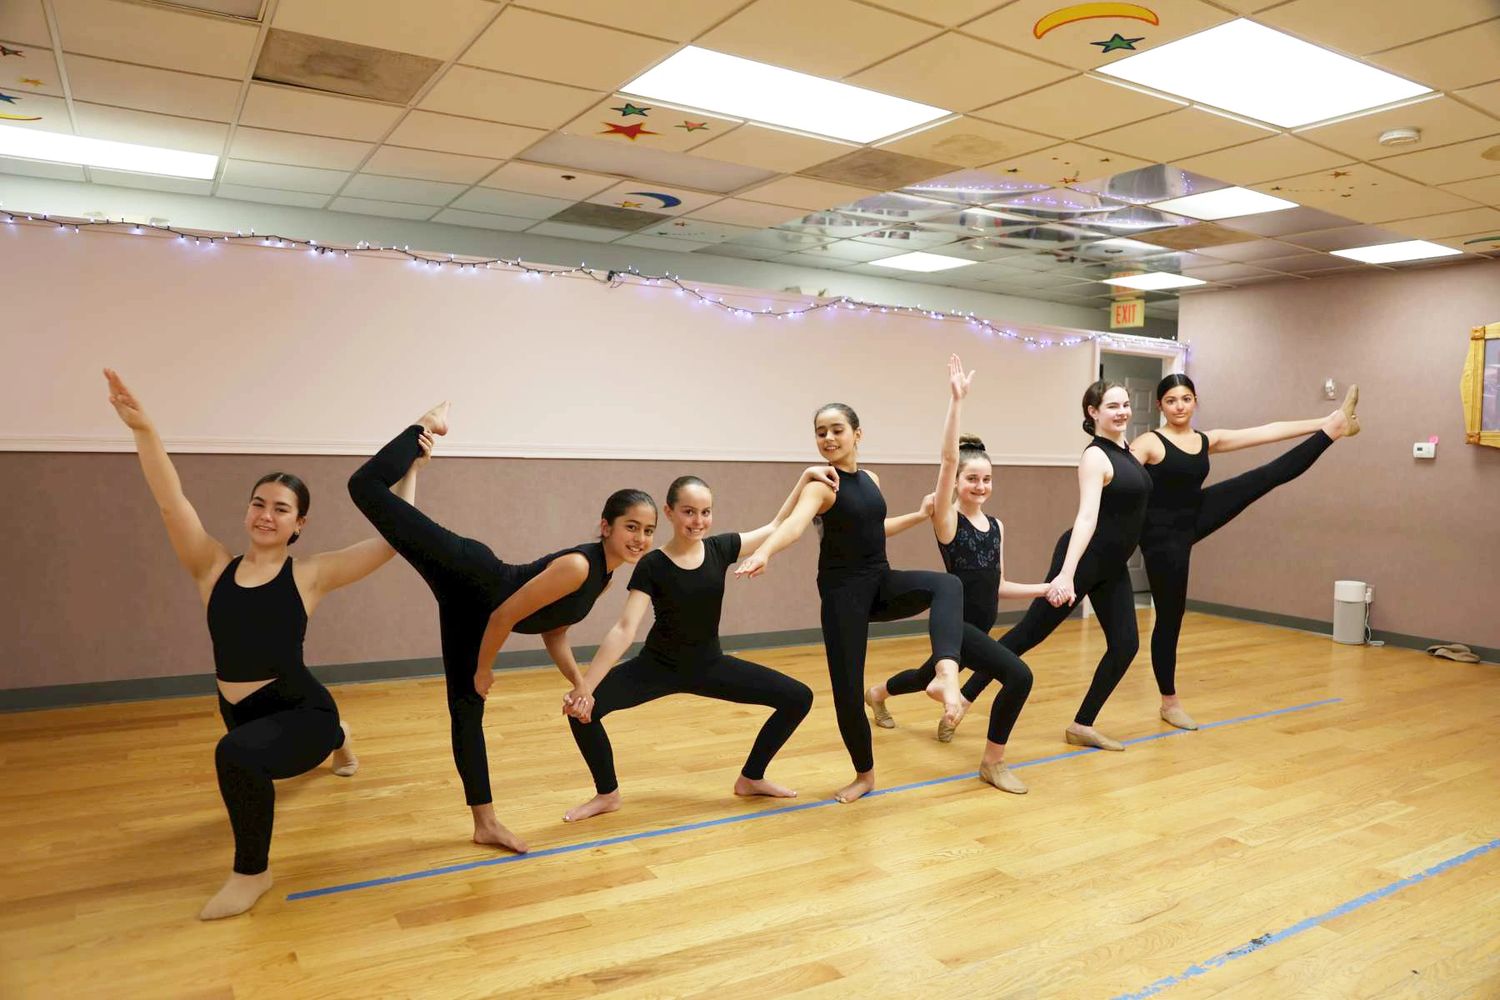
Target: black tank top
{"x":1122,"y":504}
{"x":257,"y":631}
{"x":974,"y":557}
{"x":1177,"y":484}
{"x":569,"y":609}
{"x":853,"y":530}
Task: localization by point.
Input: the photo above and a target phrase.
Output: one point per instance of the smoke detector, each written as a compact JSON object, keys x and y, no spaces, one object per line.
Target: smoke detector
{"x":1400,"y":136}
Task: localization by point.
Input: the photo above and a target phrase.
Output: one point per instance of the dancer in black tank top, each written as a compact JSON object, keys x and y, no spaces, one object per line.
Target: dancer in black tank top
{"x":1182,"y":513}
{"x":482,"y":600}
{"x":858,"y":586}
{"x":975,"y":555}
{"x":683,"y":583}
{"x":280,"y":720}
{"x":1090,"y":559}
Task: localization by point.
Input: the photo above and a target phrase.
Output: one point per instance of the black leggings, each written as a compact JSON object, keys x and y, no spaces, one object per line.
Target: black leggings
{"x":467,"y":579}
{"x":726,"y":678}
{"x":883,"y":595}
{"x":985,"y":656}
{"x":1168,"y":548}
{"x":284,"y":729}
{"x":1107,"y":586}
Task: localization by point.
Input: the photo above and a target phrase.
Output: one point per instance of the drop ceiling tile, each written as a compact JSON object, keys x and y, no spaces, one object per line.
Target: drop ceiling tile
{"x":1343,"y":238}
{"x":742,"y":252}
{"x":1255,"y":250}
{"x":1485,"y":190}
{"x":635,"y":195}
{"x":1073,"y":41}
{"x":145,"y":89}
{"x":1196,"y":236}
{"x":677,"y":20}
{"x":697,"y":231}
{"x":1486,"y":97}
{"x":156,"y":36}
{"x":804,"y":192}
{"x":593,"y":234}
{"x":37,"y":168}
{"x":852,"y":252}
{"x":150,"y":182}
{"x":948,"y":13}
{"x":553,"y":182}
{"x":32,"y":72}
{"x":1459,"y":162}
{"x":468,"y":136}
{"x":267,"y":196}
{"x":634,"y":122}
{"x":878,"y":169}
{"x":292,"y":110}
{"x":1457,"y":59}
{"x":121,"y":125}
{"x":968,"y":142}
{"x":388,"y":209}
{"x":1178,"y":134}
{"x":24,"y":22}
{"x":980,"y":249}
{"x":1263,"y":160}
{"x":529,"y":43}
{"x":51,"y":113}
{"x":738,"y":212}
{"x":780,"y":239}
{"x":397,"y":161}
{"x":625,"y":220}
{"x":482,"y":220}
{"x":437,"y":29}
{"x":971,"y":187}
{"x":281,"y":177}
{"x":299,"y":150}
{"x":1304,"y":263}
{"x":1225,"y":272}
{"x":511,"y":203}
{"x":330,"y":65}
{"x":479,"y":93}
{"x":660,"y":165}
{"x":958,"y":73}
{"x":1076,"y":107}
{"x":815,"y":257}
{"x":1380,"y":24}
{"x":660,"y":243}
{"x":1291,"y":220}
{"x":1442,"y":120}
{"x":907,"y":237}
{"x":1430,"y":227}
{"x":1484,"y":241}
{"x":830,"y":38}
{"x":401,"y":189}
{"x":1364,"y":193}
{"x":1068,"y":163}
{"x":772,"y":148}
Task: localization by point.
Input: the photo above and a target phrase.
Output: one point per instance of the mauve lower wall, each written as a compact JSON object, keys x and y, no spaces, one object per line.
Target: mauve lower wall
{"x":93,"y":592}
{"x":1426,"y":534}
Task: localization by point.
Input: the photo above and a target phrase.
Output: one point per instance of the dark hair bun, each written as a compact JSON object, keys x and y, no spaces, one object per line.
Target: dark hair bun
{"x":970,"y":442}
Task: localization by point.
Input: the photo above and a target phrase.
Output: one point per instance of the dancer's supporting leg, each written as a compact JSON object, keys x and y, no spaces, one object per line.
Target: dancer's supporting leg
{"x":1168,"y":553}
{"x":845,"y":619}
{"x":635,"y":682}
{"x":1114,"y":606}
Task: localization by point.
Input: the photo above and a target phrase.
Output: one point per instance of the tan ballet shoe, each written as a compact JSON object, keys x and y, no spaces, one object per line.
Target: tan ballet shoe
{"x":1098,"y":741}
{"x":1175,"y":716}
{"x":1351,"y":400}
{"x":881,"y":713}
{"x":946,"y":730}
{"x":1002,"y":778}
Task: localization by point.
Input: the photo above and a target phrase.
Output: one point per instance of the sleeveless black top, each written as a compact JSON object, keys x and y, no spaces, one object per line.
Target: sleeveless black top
{"x":853,"y":541}
{"x":1177,"y":484}
{"x":974,"y":557}
{"x":570,"y":609}
{"x":1122,"y":504}
{"x":257,"y":631}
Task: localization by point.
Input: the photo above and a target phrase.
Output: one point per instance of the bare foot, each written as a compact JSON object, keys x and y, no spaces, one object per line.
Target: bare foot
{"x":862,"y":785}
{"x":606,"y":803}
{"x":345,"y":763}
{"x":494,"y":834}
{"x":435,"y":420}
{"x":875,"y":697}
{"x":760,"y":786}
{"x":484,"y":679}
{"x":237,"y":896}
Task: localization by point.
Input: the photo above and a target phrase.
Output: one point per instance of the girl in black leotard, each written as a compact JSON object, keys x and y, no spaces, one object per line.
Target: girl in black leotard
{"x":481,"y":600}
{"x":280,"y":720}
{"x":858,"y":586}
{"x":974,"y":554}
{"x":1182,"y":513}
{"x":683,"y":583}
{"x":1089,"y":559}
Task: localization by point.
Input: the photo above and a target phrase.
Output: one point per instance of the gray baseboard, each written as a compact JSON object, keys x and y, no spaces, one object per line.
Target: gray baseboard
{"x":1487,"y":654}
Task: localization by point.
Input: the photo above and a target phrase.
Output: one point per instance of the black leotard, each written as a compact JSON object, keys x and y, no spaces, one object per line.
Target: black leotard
{"x":974,"y":557}
{"x":257,"y":632}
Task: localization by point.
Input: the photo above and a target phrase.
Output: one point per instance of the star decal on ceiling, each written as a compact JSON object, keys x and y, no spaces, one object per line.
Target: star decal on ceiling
{"x":630,"y":132}
{"x":7,"y":98}
{"x":1340,"y":173}
{"x":1276,"y":188}
{"x":691,"y":126}
{"x":1118,"y":41}
{"x":630,"y":204}
{"x":1068,"y":180}
{"x":679,"y":224}
{"x":631,"y":109}
{"x":11,"y":52}
{"x":1012,"y":170}
{"x":30,"y":82}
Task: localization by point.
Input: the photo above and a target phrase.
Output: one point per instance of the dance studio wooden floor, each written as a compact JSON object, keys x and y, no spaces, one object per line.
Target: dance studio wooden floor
{"x":1117,"y":872}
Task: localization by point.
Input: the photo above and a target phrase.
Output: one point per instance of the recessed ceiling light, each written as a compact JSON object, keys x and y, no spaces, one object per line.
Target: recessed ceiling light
{"x":1225,"y":203}
{"x":741,"y":88}
{"x":1391,"y":253}
{"x":919,"y":261}
{"x":55,"y":147}
{"x":1154,"y":280}
{"x":1253,"y":70}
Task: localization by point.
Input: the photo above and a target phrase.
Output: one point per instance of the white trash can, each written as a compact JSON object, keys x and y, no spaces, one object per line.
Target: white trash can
{"x":1351,"y":600}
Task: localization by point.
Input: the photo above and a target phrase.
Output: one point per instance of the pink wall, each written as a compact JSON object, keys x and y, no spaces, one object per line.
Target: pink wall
{"x":1426,"y":534}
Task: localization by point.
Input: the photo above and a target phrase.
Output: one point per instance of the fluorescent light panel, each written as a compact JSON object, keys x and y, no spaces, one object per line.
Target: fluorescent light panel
{"x":919,"y":261}
{"x":1391,"y":253}
{"x":741,"y":88}
{"x":56,"y":147}
{"x":1155,"y":281}
{"x":1253,"y":70}
{"x":1225,"y":203}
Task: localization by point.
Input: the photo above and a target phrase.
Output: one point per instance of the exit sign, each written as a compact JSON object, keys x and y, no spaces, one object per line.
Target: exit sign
{"x":1127,"y":312}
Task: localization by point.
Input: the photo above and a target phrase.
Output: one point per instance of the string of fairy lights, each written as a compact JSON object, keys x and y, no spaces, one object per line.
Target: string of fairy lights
{"x":612,"y":277}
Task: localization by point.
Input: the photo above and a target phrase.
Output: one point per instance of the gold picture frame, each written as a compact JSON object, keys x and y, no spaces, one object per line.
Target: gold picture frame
{"x":1480,"y":387}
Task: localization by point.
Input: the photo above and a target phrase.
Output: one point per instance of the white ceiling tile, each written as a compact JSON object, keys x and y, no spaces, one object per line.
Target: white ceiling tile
{"x":642,"y":196}
{"x":781,"y":239}
{"x":402,"y":189}
{"x":958,"y":73}
{"x":1377,"y":24}
{"x":150,"y":182}
{"x":1442,"y":121}
{"x":567,"y":230}
{"x":282,"y":177}
{"x":1363,"y":193}
{"x":830,"y":38}
{"x":948,"y":13}
{"x":438,"y":29}
{"x":697,"y":231}
{"x":635,"y":121}
{"x":36,"y":168}
{"x":747,"y":213}
{"x":1178,"y":134}
{"x":660,"y":165}
{"x":24,"y":22}
{"x":1068,"y":163}
{"x":511,"y":203}
{"x":552,"y":182}
{"x":806,"y":193}
{"x":814,"y":257}
{"x":156,"y":36}
{"x":1460,"y":58}
{"x":1459,"y":162}
{"x":1486,"y":96}
{"x":145,"y":89}
{"x":968,"y":142}
{"x":528,"y":43}
{"x":1487,"y":241}
{"x":1078,"y":106}
{"x":1448,"y":223}
{"x":34,"y":71}
{"x":298,"y":150}
{"x":1485,"y":190}
{"x":853,"y":252}
{"x":479,"y":93}
{"x":122,"y":125}
{"x":396,"y":161}
{"x":51,"y":113}
{"x":267,"y":196}
{"x":388,"y":209}
{"x":469,"y":136}
{"x":772,"y":149}
{"x":482,"y":220}
{"x":661,"y":243}
{"x":678,"y":20}
{"x":1072,"y":42}
{"x":1263,"y":160}
{"x":292,"y":110}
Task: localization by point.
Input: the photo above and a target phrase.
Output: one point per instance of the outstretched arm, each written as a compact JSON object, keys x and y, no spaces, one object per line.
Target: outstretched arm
{"x":1091,"y":472}
{"x":945,"y":514}
{"x":562,"y":576}
{"x":580,"y":702}
{"x":1250,"y":437}
{"x":902,"y":522}
{"x":815,"y":498}
{"x":825,"y":474}
{"x":196,"y":549}
{"x":1016,"y":591}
